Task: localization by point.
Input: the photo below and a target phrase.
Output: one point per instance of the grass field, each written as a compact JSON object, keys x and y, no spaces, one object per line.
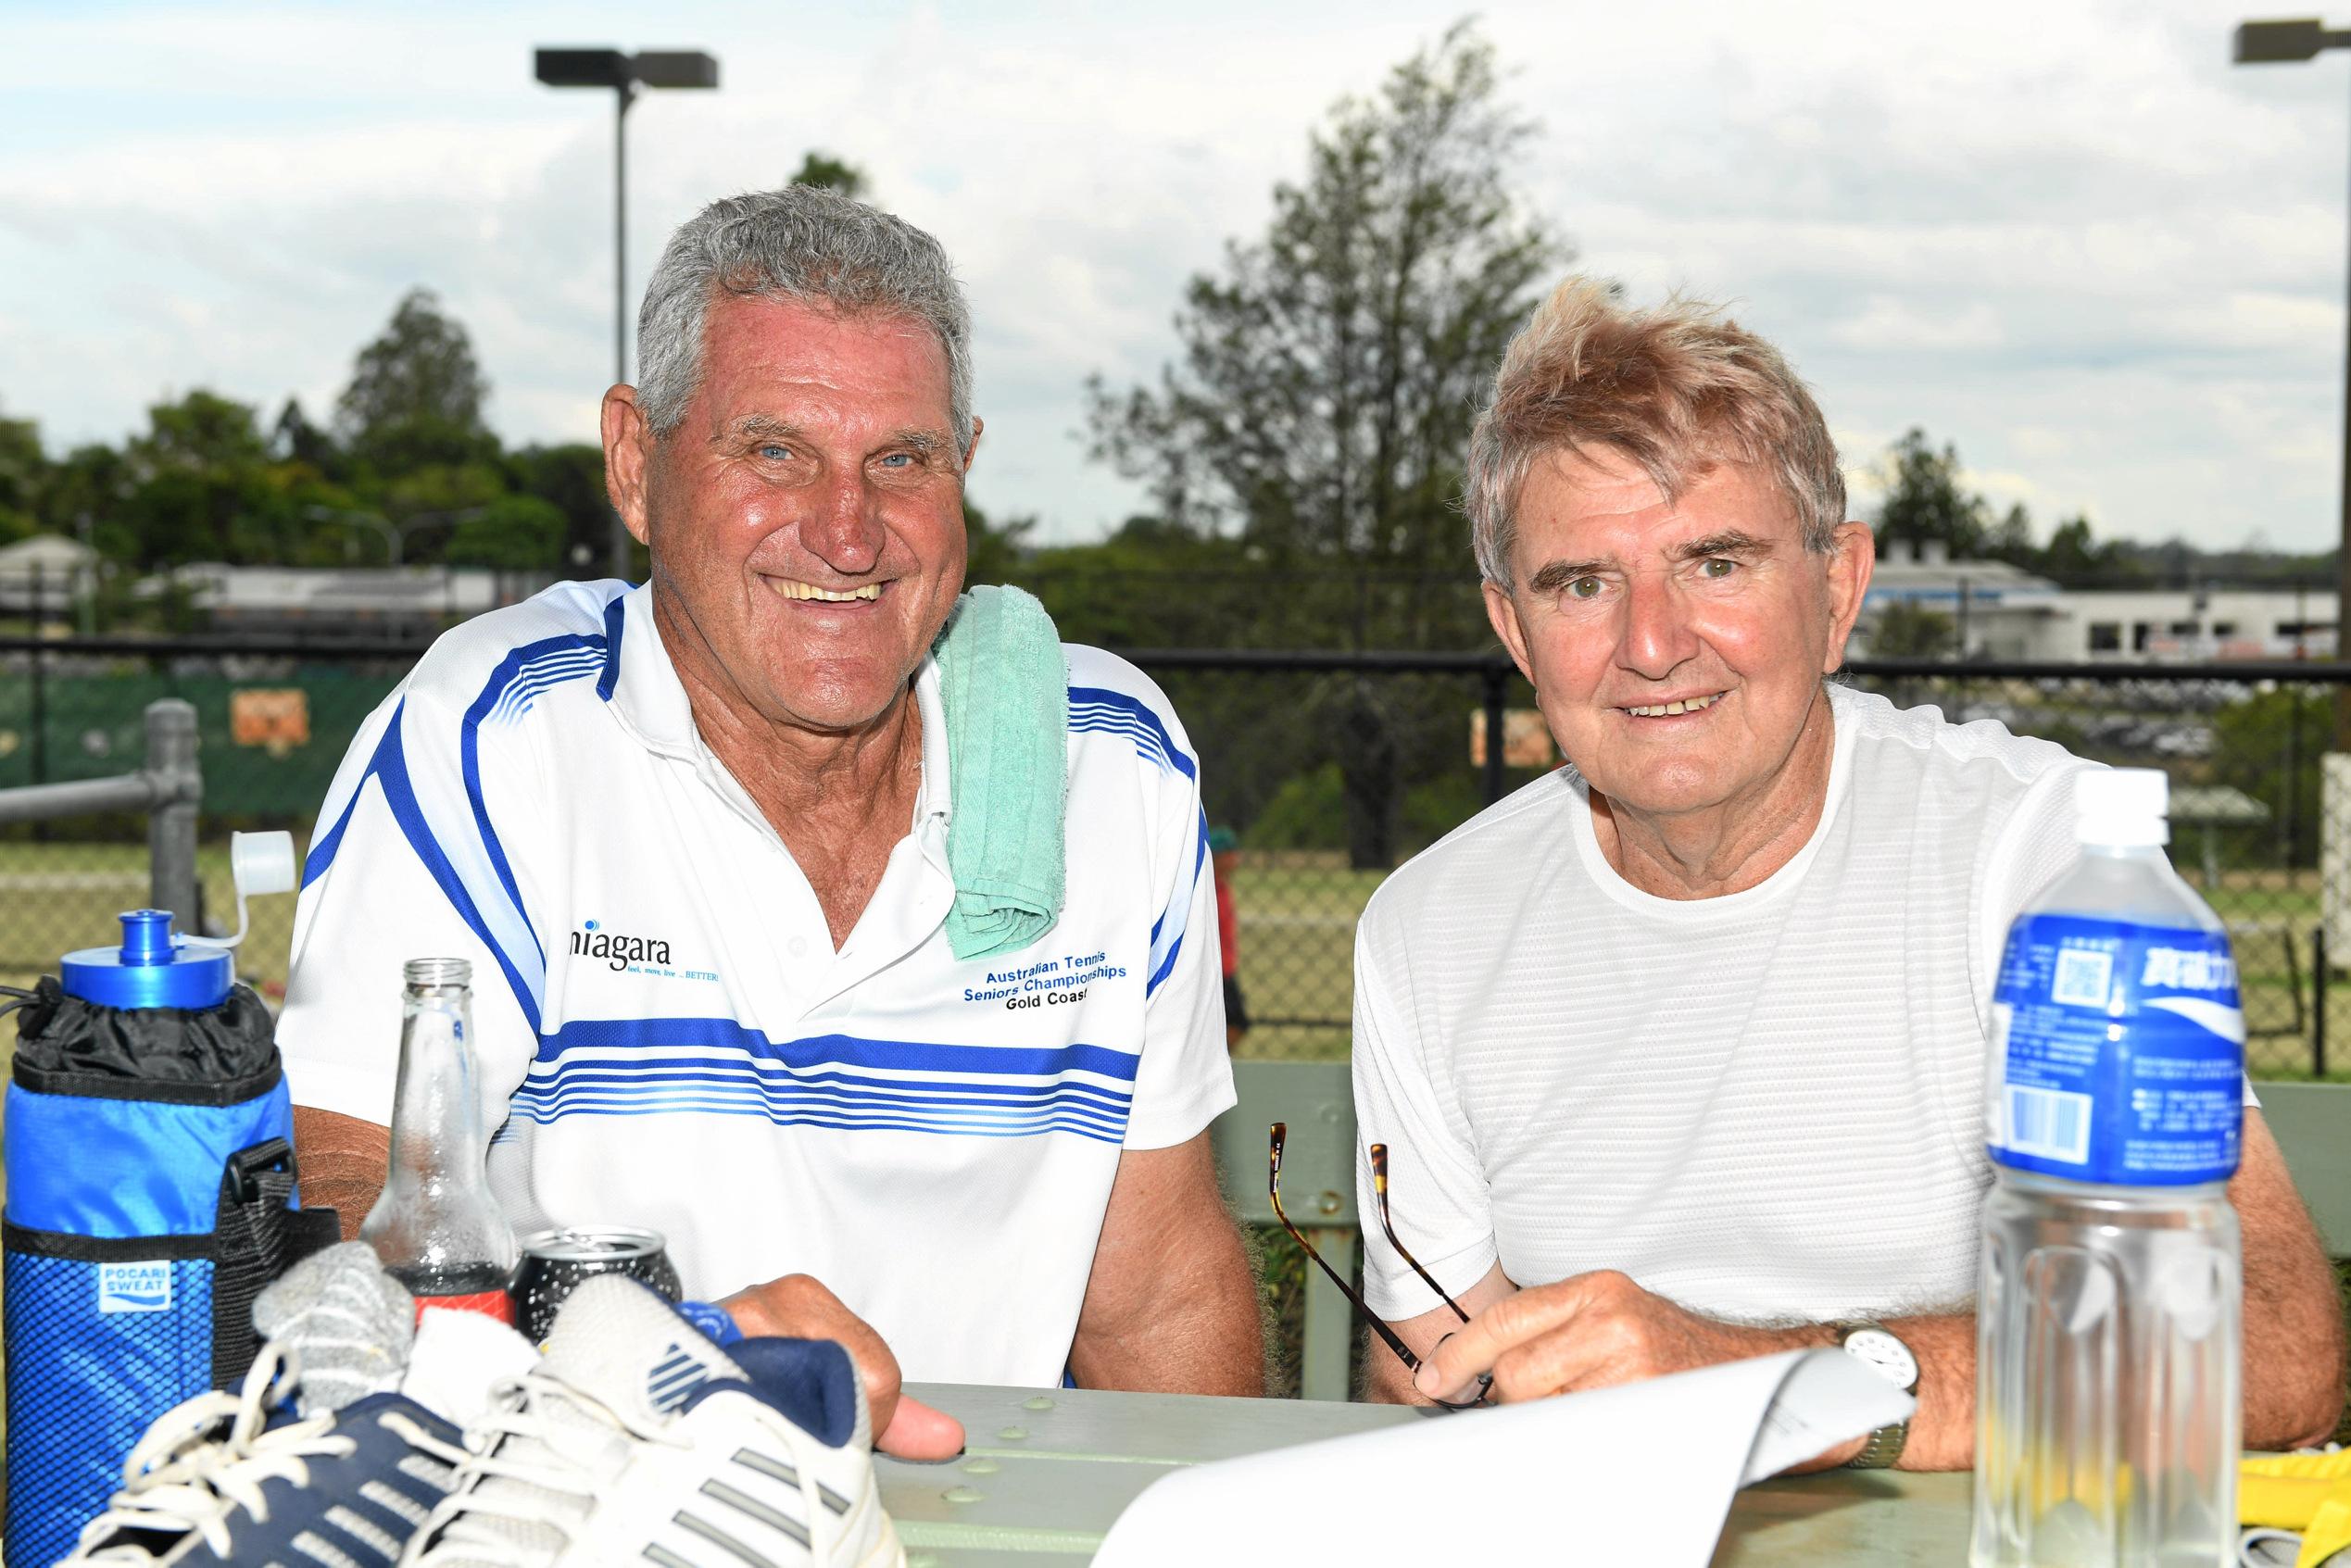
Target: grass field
{"x":1298,"y":915}
{"x":56,"y":897}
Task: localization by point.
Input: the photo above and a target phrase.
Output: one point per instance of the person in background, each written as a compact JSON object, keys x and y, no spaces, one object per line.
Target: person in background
{"x":1224,"y":854}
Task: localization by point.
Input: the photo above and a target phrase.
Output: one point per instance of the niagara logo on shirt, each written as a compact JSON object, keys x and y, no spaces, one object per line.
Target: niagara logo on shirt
{"x":134,"y":1288}
{"x":591,"y":942}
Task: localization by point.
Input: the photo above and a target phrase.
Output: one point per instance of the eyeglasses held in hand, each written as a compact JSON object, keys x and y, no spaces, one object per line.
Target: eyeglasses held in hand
{"x":1387,"y":1336}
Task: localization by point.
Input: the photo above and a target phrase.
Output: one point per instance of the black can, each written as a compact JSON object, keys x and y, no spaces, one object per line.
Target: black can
{"x":555,"y":1262}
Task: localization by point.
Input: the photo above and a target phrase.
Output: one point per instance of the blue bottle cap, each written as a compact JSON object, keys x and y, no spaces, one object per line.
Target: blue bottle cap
{"x":150,"y":970}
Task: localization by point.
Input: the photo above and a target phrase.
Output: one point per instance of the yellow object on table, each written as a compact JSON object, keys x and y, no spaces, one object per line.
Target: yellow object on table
{"x":2310,"y":1493}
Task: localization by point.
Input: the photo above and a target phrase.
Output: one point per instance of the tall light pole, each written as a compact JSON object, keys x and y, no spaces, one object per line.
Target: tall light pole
{"x":624,"y":73}
{"x":2286,"y":42}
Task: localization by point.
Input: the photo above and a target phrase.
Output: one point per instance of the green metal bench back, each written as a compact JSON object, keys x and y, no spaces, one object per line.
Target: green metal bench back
{"x":1317,"y":1099}
{"x":2312,"y":1122}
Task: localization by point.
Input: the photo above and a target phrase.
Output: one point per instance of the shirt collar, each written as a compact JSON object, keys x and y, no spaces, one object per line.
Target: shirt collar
{"x":651,"y":701}
{"x":648,"y":698}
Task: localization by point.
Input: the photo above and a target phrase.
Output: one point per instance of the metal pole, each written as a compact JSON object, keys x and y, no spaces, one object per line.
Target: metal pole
{"x":2342,"y":546}
{"x":40,"y":758}
{"x":1497,"y":683}
{"x":2318,"y":997}
{"x":171,"y":827}
{"x":627,"y":94}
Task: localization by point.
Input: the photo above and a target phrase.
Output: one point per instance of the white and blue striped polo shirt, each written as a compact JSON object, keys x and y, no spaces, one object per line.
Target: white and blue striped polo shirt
{"x":666,"y":1034}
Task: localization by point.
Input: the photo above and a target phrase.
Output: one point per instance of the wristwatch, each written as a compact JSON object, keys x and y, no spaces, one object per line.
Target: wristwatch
{"x":1875,"y":1347}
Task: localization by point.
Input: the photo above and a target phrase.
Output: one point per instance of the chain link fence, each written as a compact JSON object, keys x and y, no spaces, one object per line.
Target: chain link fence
{"x":1329,"y":769}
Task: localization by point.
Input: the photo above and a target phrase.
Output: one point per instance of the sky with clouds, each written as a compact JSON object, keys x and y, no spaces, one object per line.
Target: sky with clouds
{"x":2066,"y":235}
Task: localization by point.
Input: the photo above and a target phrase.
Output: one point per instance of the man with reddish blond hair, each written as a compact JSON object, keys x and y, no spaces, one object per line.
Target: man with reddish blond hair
{"x":1679,"y":1051}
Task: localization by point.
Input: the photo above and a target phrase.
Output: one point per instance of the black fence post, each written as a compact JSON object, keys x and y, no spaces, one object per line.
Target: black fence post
{"x":1496,"y":687}
{"x":2319,"y":994}
{"x":38,"y":761}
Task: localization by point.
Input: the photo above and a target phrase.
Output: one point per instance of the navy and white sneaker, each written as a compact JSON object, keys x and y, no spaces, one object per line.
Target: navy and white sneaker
{"x":636,"y":1439}
{"x":342,"y":1437}
{"x":216,"y":1484}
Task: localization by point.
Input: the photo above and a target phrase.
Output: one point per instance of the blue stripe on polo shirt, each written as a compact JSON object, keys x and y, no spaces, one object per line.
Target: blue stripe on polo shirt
{"x":1179,"y":912}
{"x":609,"y":1067}
{"x":1098,"y":709}
{"x":519,"y":676}
{"x":610,"y":680}
{"x":517,"y":681}
{"x":390,"y":769}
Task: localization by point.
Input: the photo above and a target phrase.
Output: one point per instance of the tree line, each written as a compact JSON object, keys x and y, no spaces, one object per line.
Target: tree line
{"x":1307,"y":438}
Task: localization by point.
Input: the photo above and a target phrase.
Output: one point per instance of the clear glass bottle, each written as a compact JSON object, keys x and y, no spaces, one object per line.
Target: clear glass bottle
{"x":436,"y":1227}
{"x":2109,"y":1301}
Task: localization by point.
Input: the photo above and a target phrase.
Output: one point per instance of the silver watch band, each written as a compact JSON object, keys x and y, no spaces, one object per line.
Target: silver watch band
{"x":1884,"y":1447}
{"x":1885,"y":1444}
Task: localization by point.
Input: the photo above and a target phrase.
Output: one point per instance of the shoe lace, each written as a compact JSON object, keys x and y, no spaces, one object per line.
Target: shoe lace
{"x":518,"y":1442}
{"x":187,"y":1474}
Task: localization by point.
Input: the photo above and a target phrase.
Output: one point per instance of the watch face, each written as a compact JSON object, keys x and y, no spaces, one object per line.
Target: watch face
{"x":1889,"y":1357}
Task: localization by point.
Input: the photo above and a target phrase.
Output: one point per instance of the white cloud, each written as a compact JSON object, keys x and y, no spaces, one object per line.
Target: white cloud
{"x":2070,"y":239}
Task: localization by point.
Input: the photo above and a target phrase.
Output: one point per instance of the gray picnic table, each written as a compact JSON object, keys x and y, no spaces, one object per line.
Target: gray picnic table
{"x":1045,"y":1472}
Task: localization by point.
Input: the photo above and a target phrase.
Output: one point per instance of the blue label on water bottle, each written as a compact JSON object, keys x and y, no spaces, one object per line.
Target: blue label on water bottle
{"x":2122,"y":1053}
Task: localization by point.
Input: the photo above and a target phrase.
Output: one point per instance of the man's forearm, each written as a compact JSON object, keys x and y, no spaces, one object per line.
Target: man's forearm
{"x":1943,"y":1429}
{"x":341,"y":1162}
{"x":1200,"y":1334}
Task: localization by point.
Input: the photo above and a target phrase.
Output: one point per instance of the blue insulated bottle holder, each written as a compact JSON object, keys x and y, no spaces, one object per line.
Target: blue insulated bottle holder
{"x":150,"y":1197}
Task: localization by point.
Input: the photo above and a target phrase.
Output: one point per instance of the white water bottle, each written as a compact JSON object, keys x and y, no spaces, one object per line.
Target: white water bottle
{"x":2108,"y":1303}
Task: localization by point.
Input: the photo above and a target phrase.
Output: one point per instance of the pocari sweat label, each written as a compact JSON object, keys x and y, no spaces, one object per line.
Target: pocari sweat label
{"x":134,"y":1288}
{"x":2122,"y":1053}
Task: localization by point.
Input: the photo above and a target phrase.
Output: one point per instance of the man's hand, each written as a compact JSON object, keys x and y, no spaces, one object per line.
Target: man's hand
{"x":798,"y":1307}
{"x":1592,"y":1331}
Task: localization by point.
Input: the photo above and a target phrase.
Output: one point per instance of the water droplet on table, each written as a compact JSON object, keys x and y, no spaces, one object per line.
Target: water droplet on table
{"x":1014,"y":1434}
{"x":960,"y":1494}
{"x":1043,"y":1402}
{"x":981,"y":1467}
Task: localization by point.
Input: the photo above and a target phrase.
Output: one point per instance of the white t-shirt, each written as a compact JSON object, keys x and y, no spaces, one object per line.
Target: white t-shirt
{"x":668,"y":1037}
{"x":1764,"y":1104}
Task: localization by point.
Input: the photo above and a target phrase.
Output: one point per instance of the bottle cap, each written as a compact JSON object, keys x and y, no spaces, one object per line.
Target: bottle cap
{"x":150,"y":970}
{"x":2122,"y":807}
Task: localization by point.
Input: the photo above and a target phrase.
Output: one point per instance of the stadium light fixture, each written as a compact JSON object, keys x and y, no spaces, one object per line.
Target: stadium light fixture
{"x":623,"y":74}
{"x":2291,"y":41}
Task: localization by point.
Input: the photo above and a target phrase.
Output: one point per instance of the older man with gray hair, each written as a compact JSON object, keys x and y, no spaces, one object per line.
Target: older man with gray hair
{"x":731,"y":853}
{"x":1678,"y":1053}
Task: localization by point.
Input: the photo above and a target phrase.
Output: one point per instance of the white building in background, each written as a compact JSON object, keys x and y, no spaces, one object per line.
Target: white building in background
{"x":2001,"y":612}
{"x":2192,"y":625}
{"x":48,"y":574}
{"x":1996,"y":611}
{"x":351,"y":601}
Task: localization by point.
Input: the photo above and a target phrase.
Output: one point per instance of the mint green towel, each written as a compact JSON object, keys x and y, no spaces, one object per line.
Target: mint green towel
{"x":1005,"y":695}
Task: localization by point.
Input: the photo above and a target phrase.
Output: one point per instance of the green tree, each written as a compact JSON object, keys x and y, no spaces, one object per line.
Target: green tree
{"x":1322,"y":402}
{"x":91,"y":482}
{"x":1905,"y":630}
{"x":295,"y":439}
{"x":571,"y":475}
{"x":831,"y":173}
{"x":24,"y":473}
{"x":2269,"y":745}
{"x":198,"y":485}
{"x":511,"y":534}
{"x":1320,"y":410}
{"x":416,"y":393}
{"x":1925,"y":502}
{"x":996,"y":552}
